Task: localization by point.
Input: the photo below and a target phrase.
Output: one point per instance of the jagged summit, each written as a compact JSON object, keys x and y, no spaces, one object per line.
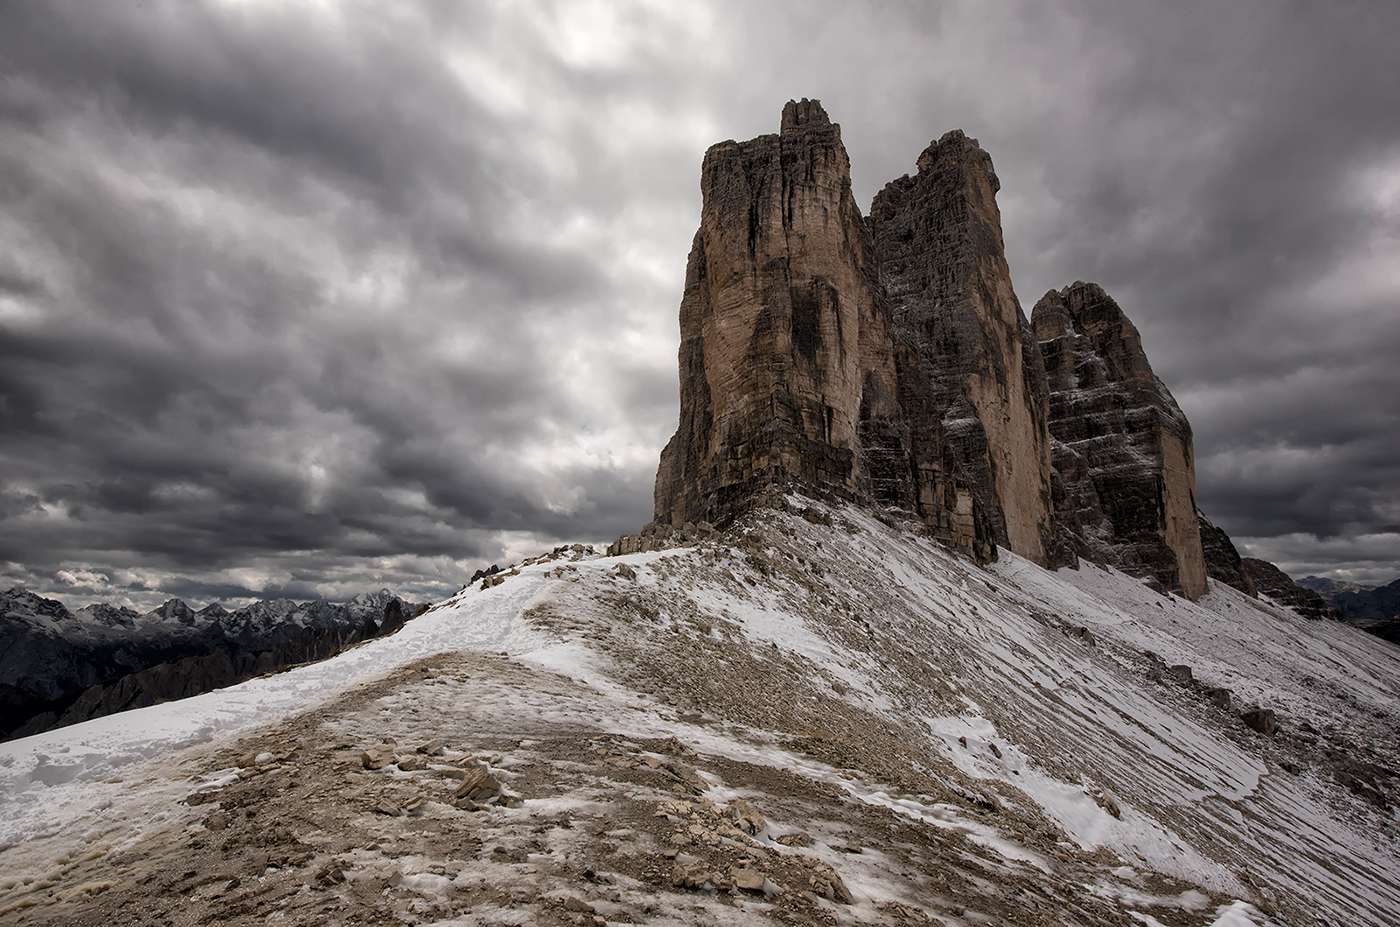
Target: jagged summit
{"x":943,"y":263}
{"x":888,"y":361}
{"x":807,"y":114}
{"x":61,"y":667}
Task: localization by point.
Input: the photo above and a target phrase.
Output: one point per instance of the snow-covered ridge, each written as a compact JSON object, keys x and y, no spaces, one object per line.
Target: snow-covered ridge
{"x":1036,"y":719}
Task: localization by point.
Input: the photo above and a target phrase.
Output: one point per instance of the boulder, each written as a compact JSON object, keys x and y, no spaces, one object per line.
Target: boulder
{"x":377,"y":757}
{"x":478,"y":785}
{"x":1261,"y":720}
{"x":748,"y":880}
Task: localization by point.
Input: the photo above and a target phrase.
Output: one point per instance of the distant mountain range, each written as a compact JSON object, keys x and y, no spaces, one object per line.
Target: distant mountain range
{"x":59,"y":667}
{"x":1371,"y":608}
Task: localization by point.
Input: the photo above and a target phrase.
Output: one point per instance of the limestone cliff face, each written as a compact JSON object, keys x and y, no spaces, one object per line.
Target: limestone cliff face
{"x":943,"y":263}
{"x":788,"y":370}
{"x":1121,"y":445}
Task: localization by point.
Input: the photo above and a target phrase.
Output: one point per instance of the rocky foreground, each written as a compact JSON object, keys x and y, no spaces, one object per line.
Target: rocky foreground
{"x":816,"y":716}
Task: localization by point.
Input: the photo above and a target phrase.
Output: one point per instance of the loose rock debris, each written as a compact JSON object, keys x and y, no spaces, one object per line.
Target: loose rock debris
{"x":510,"y":816}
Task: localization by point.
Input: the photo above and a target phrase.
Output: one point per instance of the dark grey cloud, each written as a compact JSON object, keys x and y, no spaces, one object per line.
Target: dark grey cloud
{"x":300,"y":299}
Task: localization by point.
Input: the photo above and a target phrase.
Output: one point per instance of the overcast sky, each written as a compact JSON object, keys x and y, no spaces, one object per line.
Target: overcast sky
{"x":308,"y":298}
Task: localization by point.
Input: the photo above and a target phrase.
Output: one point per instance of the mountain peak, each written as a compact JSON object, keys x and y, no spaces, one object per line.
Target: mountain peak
{"x":804,"y":115}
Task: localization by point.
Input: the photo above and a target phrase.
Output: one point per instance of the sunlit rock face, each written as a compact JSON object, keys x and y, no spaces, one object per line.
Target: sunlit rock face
{"x":1121,"y":445}
{"x":789,"y":373}
{"x":943,"y":263}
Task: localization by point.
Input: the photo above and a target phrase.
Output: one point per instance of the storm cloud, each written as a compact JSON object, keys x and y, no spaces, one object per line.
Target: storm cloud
{"x":306,"y":298}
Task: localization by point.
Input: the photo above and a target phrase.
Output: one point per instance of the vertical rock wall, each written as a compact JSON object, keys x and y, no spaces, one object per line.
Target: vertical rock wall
{"x":770,"y":322}
{"x":1121,"y":445}
{"x":943,"y":263}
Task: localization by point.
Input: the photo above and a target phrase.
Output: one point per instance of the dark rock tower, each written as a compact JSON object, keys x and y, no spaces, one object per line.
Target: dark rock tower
{"x":1121,"y":445}
{"x":943,"y":263}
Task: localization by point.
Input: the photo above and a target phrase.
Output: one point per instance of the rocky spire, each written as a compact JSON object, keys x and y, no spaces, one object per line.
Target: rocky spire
{"x":889,"y":362}
{"x":1121,"y":445}
{"x":938,"y":237}
{"x":789,"y":374}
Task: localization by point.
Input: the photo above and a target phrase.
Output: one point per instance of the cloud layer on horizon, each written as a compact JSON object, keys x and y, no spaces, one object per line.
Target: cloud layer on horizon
{"x":307,"y":299}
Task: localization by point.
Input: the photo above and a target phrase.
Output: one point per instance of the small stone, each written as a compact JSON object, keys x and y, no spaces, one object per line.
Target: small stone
{"x":1109,"y":804}
{"x":377,"y":757}
{"x":330,"y":874}
{"x":412,"y":763}
{"x":749,"y":880}
{"x":996,"y":751}
{"x":433,"y":748}
{"x":578,"y":905}
{"x":263,"y":759}
{"x":796,"y":839}
{"x":746,"y":817}
{"x":693,"y":876}
{"x":388,"y":806}
{"x":478,"y":785}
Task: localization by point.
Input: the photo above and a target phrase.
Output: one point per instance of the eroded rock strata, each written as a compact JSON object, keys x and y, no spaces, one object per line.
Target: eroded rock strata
{"x":1269,"y":580}
{"x":1121,"y":445}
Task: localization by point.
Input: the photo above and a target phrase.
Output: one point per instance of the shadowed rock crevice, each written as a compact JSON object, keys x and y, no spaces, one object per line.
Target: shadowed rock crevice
{"x":1222,"y":559}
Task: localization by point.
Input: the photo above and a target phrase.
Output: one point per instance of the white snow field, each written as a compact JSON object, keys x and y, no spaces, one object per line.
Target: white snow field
{"x":958,"y":744}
